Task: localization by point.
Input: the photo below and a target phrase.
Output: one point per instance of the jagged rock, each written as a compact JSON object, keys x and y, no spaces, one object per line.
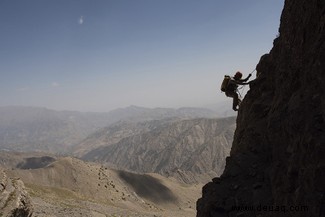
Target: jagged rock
{"x":14,"y":200}
{"x":280,"y":126}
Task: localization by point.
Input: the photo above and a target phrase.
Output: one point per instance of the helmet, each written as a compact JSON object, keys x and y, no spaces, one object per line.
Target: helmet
{"x":238,"y":75}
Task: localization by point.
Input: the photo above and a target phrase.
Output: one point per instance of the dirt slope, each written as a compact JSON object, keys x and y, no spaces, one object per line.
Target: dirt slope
{"x":72,"y":187}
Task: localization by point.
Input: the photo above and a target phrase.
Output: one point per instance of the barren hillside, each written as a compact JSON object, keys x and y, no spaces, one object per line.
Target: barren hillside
{"x":71,"y":187}
{"x":189,"y":150}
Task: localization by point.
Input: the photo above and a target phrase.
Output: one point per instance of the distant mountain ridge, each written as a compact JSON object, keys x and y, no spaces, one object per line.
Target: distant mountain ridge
{"x":136,"y":113}
{"x":41,"y":129}
{"x":115,"y":132}
{"x":189,"y":150}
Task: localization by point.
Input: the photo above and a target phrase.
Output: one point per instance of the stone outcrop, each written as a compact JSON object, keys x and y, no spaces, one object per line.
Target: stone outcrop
{"x":14,"y":200}
{"x":277,"y":164}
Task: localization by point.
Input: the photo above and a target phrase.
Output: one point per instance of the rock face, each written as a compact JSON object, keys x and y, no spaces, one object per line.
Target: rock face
{"x":277,"y":164}
{"x":190,"y":150}
{"x":14,"y":200}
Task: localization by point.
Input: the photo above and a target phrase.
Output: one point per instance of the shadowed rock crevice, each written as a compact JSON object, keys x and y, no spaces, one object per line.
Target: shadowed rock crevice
{"x":148,"y":187}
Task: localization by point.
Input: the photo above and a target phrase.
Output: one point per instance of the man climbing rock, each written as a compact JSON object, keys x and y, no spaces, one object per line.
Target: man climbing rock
{"x":230,"y":87}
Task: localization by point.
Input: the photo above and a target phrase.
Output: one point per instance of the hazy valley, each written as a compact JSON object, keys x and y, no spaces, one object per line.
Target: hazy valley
{"x":41,"y":129}
{"x":138,"y":161}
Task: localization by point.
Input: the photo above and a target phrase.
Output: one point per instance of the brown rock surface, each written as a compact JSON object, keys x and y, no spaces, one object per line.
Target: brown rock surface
{"x":14,"y":200}
{"x":277,"y":164}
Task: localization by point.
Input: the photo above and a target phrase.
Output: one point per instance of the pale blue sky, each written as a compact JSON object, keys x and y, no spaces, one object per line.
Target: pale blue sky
{"x":98,"y":55}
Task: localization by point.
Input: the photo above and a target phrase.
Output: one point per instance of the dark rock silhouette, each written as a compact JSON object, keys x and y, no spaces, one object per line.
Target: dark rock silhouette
{"x":277,"y":164}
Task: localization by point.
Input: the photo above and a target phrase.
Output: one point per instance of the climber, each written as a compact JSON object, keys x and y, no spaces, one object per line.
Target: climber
{"x":230,"y":85}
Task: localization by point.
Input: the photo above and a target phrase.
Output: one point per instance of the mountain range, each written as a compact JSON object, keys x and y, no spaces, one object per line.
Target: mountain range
{"x":41,"y":129}
{"x":190,"y":150}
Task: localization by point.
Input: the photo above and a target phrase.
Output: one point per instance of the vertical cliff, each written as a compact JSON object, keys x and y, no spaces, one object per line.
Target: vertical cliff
{"x":277,"y":161}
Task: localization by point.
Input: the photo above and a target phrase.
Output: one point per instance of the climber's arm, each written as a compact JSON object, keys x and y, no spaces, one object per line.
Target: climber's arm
{"x":246,"y":79}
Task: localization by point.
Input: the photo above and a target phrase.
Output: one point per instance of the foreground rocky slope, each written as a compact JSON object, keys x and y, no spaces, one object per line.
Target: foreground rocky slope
{"x":189,"y":150}
{"x":71,"y":187}
{"x":277,"y":164}
{"x":14,"y":200}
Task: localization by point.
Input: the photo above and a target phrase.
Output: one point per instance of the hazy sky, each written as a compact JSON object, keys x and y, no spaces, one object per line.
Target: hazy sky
{"x":98,"y":55}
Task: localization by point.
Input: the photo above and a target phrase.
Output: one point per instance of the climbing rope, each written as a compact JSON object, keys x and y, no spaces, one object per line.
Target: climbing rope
{"x":252,"y":71}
